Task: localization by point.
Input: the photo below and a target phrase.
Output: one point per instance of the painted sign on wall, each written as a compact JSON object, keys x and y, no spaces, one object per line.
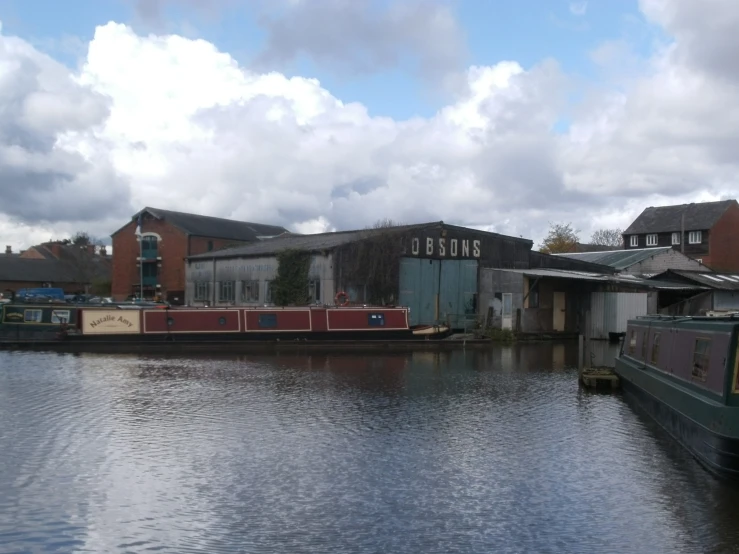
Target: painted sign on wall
{"x":110,"y":322}
{"x":444,"y":247}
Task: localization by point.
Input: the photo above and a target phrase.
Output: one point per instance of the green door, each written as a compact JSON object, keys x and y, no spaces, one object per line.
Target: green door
{"x":419,"y":286}
{"x":458,"y":292}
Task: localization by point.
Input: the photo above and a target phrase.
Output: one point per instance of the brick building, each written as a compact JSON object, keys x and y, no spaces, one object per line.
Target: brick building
{"x":167,"y":239}
{"x":705,"y":231}
{"x":74,"y":268}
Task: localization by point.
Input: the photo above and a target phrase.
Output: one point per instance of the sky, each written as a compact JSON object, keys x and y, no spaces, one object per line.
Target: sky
{"x":320,"y":115}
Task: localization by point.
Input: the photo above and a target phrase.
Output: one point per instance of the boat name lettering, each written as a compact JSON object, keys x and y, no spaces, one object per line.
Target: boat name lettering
{"x":108,"y":318}
{"x":444,"y":248}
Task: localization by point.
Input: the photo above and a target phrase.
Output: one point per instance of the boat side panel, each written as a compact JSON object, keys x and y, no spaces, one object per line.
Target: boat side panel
{"x":350,"y":319}
{"x":192,"y":321}
{"x":318,"y":319}
{"x":286,"y":320}
{"x":676,"y":353}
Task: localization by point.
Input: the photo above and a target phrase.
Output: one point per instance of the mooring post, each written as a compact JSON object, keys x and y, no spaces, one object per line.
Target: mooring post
{"x":586,"y":355}
{"x":580,"y":346}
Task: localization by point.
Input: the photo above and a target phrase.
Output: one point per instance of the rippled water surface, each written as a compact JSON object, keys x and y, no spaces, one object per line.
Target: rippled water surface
{"x":492,"y":452}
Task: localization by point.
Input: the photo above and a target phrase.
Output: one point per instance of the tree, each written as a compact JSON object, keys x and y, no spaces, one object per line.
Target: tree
{"x":608,"y":237}
{"x":562,"y":238}
{"x":81,"y":238}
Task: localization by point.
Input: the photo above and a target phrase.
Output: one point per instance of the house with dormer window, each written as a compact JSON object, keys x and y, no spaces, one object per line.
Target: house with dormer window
{"x":705,"y":231}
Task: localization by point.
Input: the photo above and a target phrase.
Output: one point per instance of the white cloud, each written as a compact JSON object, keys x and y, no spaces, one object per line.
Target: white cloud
{"x":166,"y":121}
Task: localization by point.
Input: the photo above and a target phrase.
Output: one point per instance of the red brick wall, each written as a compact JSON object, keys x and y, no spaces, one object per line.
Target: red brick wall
{"x":173,"y":249}
{"x":724,"y":242}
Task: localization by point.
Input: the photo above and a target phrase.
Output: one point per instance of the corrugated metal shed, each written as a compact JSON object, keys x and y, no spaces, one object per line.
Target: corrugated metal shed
{"x":618,"y":259}
{"x":656,"y":284}
{"x":710,"y":280}
{"x":611,"y":310}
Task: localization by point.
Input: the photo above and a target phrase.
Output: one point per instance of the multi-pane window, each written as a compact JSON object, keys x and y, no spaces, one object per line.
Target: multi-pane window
{"x":202,"y":290}
{"x":695,"y":237}
{"x":226,"y":291}
{"x":675,"y":238}
{"x":652,"y":240}
{"x":634,"y":240}
{"x":250,"y":291}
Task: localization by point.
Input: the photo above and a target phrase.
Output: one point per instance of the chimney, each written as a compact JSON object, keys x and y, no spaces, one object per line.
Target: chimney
{"x":55,"y":248}
{"x":8,"y":249}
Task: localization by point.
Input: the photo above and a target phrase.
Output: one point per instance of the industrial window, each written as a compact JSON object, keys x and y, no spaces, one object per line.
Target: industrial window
{"x":376,"y":320}
{"x":250,"y":291}
{"x":652,"y":240}
{"x":226,"y":291}
{"x":655,"y":349}
{"x":60,"y":316}
{"x":675,"y":238}
{"x":695,"y":237}
{"x":268,"y":292}
{"x":268,"y":321}
{"x":202,"y":290}
{"x":32,"y":316}
{"x":632,"y":342}
{"x":314,"y":290}
{"x":634,"y":240}
{"x":701,"y":356}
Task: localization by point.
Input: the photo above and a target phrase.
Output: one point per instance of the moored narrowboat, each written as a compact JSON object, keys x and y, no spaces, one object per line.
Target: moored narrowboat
{"x":684,"y":372}
{"x":151,"y":323}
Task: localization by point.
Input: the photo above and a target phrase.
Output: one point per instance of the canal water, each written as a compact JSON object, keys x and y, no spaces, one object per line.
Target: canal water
{"x":467,"y":451}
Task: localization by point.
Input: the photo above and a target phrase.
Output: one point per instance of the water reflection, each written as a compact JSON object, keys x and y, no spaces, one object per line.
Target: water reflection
{"x":466,"y":451}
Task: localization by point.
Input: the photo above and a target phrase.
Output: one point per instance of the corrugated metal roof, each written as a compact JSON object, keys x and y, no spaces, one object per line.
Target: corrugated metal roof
{"x":618,"y":259}
{"x":721,"y":281}
{"x":311,"y":243}
{"x":630,"y":280}
{"x":663,"y":219}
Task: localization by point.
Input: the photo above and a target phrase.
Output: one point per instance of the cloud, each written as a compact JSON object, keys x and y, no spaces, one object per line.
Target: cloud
{"x":166,"y":121}
{"x":42,"y":108}
{"x":579,"y":8}
{"x":357,"y":36}
{"x":350,"y":37}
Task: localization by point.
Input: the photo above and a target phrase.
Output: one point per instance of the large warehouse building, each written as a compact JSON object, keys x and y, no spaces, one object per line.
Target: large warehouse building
{"x":433,"y":268}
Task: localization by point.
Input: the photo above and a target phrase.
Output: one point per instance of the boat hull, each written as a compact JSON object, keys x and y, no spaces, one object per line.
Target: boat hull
{"x":667,"y":405}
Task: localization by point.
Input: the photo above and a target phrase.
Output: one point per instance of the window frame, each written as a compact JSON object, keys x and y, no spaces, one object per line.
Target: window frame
{"x":226,"y":291}
{"x":676,"y":238}
{"x":695,"y":237}
{"x":38,"y":314}
{"x":634,"y":240}
{"x":201,"y":291}
{"x":652,"y":239}
{"x":253,"y":286}
{"x":700,"y":372}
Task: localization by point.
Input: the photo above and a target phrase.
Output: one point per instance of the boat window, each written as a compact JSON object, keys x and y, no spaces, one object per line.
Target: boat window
{"x":32,"y":316}
{"x":376,"y":320}
{"x":268,"y":320}
{"x":60,"y":316}
{"x":655,"y":349}
{"x":701,"y":355}
{"x":632,"y":342}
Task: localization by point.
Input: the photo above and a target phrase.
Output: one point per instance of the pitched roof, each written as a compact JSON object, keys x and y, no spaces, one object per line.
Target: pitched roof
{"x":618,"y":259}
{"x":311,"y":243}
{"x":36,"y":271}
{"x":722,"y":281}
{"x":664,"y":219}
{"x":626,"y":280}
{"x":216,"y":227}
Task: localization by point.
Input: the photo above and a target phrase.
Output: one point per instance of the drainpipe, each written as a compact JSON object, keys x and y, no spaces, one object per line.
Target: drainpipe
{"x":682,"y":233}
